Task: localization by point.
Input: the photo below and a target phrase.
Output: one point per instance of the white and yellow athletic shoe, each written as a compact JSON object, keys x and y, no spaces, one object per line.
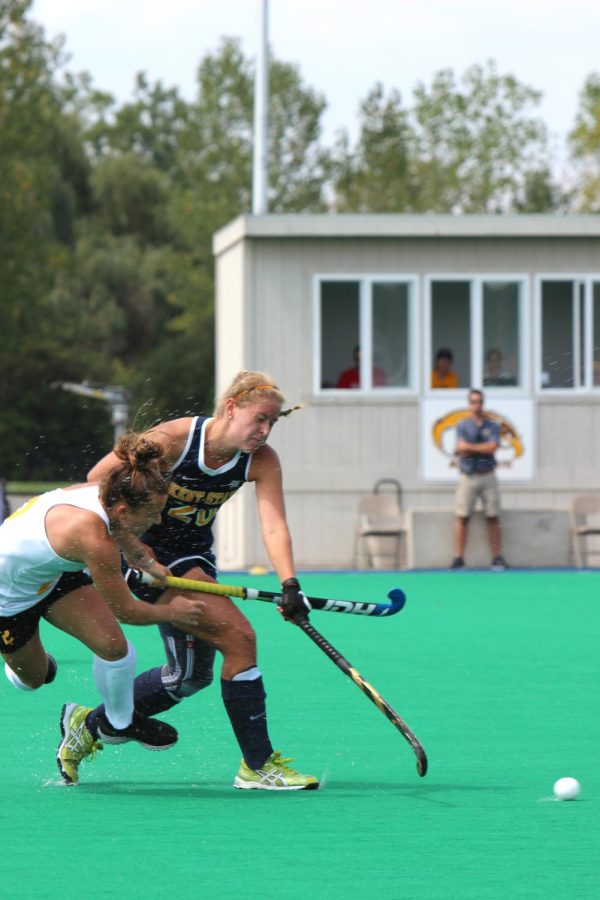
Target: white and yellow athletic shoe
{"x":77,"y":743}
{"x":274,"y":775}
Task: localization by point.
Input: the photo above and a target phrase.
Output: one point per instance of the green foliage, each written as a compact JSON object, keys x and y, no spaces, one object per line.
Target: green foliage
{"x":463,"y":147}
{"x":43,"y":168}
{"x":585,"y":147}
{"x":45,"y":433}
{"x":148,"y":128}
{"x":130,"y":197}
{"x":108,"y":214}
{"x":376,"y":176}
{"x":299,"y":166}
{"x":477,"y":140}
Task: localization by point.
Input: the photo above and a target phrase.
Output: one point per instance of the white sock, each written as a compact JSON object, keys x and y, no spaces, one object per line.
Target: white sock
{"x":114,"y":681}
{"x":15,"y":680}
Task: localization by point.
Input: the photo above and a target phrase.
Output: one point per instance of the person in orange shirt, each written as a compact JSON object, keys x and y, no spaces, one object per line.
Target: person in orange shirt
{"x":442,"y":374}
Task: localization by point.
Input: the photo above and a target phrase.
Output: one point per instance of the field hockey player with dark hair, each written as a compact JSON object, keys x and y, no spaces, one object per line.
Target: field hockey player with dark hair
{"x":44,"y":548}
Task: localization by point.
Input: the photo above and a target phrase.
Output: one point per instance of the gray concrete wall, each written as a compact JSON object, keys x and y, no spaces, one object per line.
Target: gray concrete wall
{"x":530,"y":539}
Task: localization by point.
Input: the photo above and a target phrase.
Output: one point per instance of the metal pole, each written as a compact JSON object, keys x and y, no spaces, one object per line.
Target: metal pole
{"x":115,"y":396}
{"x":119,"y":414}
{"x":261,"y":117}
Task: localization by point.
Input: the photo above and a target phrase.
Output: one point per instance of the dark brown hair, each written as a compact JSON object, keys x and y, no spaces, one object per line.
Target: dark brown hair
{"x":141,"y":474}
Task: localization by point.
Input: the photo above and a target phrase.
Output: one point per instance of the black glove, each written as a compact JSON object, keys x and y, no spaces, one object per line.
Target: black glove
{"x":293,"y":606}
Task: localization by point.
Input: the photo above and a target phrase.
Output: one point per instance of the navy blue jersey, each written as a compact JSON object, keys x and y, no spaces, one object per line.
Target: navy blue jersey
{"x":196,"y":494}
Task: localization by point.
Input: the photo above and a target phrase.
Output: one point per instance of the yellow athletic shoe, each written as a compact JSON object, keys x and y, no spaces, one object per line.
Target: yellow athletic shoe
{"x":274,"y":775}
{"x":77,"y":743}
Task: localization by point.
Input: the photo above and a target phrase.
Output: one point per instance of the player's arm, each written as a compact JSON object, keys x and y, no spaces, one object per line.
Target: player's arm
{"x":172,"y":436}
{"x":141,"y":556}
{"x":101,"y":555}
{"x":265,"y":471}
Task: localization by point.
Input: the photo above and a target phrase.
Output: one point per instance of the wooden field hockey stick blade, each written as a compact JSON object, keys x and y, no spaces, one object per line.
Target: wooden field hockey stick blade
{"x":353,"y":607}
{"x":367,"y":689}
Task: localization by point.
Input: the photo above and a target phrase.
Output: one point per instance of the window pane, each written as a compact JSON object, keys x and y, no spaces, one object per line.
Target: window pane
{"x":581,"y":314}
{"x":596,"y":333}
{"x":557,"y":334}
{"x":451,"y":326}
{"x":339,"y":334}
{"x":501,"y":364}
{"x":390,"y":335}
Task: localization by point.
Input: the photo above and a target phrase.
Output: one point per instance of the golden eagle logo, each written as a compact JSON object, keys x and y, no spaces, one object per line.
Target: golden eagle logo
{"x":511,"y":444}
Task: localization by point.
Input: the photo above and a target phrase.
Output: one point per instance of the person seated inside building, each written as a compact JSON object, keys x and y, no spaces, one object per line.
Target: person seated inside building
{"x":350,"y":378}
{"x":442,"y":374}
{"x":495,"y":372}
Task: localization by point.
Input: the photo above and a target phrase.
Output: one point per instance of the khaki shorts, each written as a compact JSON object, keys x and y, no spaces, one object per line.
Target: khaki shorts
{"x":470,"y":487}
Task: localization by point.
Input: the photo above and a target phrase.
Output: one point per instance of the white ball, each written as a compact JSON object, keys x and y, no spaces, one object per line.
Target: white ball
{"x":567,"y":789}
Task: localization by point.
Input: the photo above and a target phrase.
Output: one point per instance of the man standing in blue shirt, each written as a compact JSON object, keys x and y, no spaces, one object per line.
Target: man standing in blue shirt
{"x":478,"y":438}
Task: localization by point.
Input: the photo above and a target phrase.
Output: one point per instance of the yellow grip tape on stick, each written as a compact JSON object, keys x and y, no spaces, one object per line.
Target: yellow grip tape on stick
{"x":204,"y":587}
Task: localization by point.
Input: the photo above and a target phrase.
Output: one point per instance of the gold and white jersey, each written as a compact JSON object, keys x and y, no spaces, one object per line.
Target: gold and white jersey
{"x":29,"y":567}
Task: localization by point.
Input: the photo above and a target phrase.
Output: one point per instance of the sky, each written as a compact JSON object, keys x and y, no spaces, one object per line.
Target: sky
{"x":342,"y":47}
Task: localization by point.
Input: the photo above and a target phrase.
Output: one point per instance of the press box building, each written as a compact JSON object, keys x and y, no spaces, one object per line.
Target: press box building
{"x":297,"y":295}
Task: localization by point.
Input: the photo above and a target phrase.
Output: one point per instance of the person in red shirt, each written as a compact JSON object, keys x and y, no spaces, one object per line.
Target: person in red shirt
{"x":350,"y":378}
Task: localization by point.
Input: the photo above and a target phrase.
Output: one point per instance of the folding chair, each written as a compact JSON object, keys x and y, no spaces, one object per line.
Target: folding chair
{"x":585,"y":523}
{"x":380,"y":533}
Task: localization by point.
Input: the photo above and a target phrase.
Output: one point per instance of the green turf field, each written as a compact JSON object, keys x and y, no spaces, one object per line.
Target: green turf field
{"x":496,"y":673}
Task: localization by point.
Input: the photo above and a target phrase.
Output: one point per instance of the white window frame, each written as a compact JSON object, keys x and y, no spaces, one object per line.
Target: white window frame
{"x":365,"y":299}
{"x":589,"y":312}
{"x":476,"y":282}
{"x":586,"y":385}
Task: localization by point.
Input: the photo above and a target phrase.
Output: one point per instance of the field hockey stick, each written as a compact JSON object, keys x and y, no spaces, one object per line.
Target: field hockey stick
{"x":373,"y":695}
{"x":396,"y":596}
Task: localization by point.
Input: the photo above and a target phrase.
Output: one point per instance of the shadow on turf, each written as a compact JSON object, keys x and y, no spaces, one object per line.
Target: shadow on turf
{"x":170,"y":789}
{"x":429,"y":792}
{"x":424,"y":791}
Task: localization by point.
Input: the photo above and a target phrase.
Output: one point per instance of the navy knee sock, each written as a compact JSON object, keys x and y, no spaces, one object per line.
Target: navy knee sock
{"x":149,"y":698}
{"x":245,"y":705}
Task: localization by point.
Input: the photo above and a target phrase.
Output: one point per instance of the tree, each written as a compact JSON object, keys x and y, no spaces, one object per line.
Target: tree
{"x":215,"y":146}
{"x":468,"y":146}
{"x":43,"y":188}
{"x":130,"y":197}
{"x":165,"y":176}
{"x":584,"y":141}
{"x":148,"y":127}
{"x":477,"y":141}
{"x":299,"y":165}
{"x":376,"y":176}
{"x":42,"y":168}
